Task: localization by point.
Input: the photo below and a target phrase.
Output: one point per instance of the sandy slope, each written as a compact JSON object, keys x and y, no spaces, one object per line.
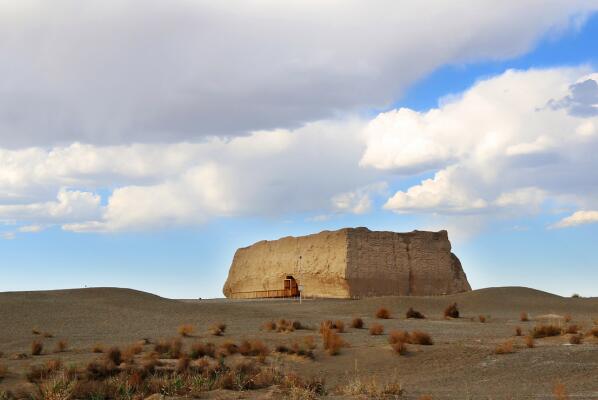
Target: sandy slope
{"x":460,"y":364}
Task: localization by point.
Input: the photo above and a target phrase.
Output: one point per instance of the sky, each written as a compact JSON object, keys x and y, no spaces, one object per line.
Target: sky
{"x":143,"y":142}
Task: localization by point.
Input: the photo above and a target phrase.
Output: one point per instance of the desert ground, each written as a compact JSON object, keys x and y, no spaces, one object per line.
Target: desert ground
{"x":462,"y":363}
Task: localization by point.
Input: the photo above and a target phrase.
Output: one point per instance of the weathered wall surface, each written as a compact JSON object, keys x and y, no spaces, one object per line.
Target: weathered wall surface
{"x":351,"y":262}
{"x":265,"y":264}
{"x":417,"y":263}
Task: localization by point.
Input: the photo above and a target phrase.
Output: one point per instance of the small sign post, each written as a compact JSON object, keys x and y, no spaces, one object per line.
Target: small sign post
{"x":300,"y":287}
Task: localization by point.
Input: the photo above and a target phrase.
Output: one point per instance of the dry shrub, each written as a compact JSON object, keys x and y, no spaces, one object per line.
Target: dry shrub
{"x":376,"y":329}
{"x":572,"y":329}
{"x":560,"y":392}
{"x":269,"y":326}
{"x":332,"y":342}
{"x":411,"y":313}
{"x":383,"y":313}
{"x":229,"y":348}
{"x":523,"y":317}
{"x":185,"y":330}
{"x":169,"y":348}
{"x":339,"y":326}
{"x":398,"y":336}
{"x":97,"y":348}
{"x":199,"y":350}
{"x":576,"y":339}
{"x":48,"y":335}
{"x":451,"y":311}
{"x":182,"y":364}
{"x":35,"y":331}
{"x":218,"y":329}
{"x":19,"y":356}
{"x":482,"y":318}
{"x":568,"y":318}
{"x":114,"y":355}
{"x":253,"y":348}
{"x":542,"y":331}
{"x":328,"y":324}
{"x":357,"y":323}
{"x":422,"y":338}
{"x":101,"y":369}
{"x":530,"y":342}
{"x":284,"y":326}
{"x":129,"y":353}
{"x":400,"y":348}
{"x":298,"y":325}
{"x":36,"y":347}
{"x":3,"y":371}
{"x":594,"y":332}
{"x":504,"y":348}
{"x":518,"y":331}
{"x":38,"y":373}
{"x":61,"y":346}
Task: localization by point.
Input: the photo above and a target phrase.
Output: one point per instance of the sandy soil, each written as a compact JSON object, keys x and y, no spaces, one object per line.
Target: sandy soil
{"x":461,"y":363}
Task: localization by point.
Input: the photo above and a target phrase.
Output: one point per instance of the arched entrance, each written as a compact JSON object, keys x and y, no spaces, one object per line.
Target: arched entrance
{"x":290,"y":287}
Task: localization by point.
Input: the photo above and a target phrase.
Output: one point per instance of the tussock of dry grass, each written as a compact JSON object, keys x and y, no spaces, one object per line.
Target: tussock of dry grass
{"x":415,"y":337}
{"x":576,"y":339}
{"x":376,"y":329}
{"x":61,"y":346}
{"x":357,"y":323}
{"x":48,"y":335}
{"x":594,"y":332}
{"x":518,"y":331}
{"x":39,"y":372}
{"x":269,"y":326}
{"x":572,"y":329}
{"x":36,"y":347}
{"x":97,"y":348}
{"x":383,"y":313}
{"x":542,"y":331}
{"x":504,"y":348}
{"x":411,"y":313}
{"x":200,"y":349}
{"x":185,"y":330}
{"x":523,"y":317}
{"x":560,"y":392}
{"x":530,"y":342}
{"x":568,"y":318}
{"x":253,"y":347}
{"x":398,"y":336}
{"x":114,"y":355}
{"x":400,"y":348}
{"x":218,"y":329}
{"x":3,"y":371}
{"x":451,"y":311}
{"x":482,"y":318}
{"x":331,"y":341}
{"x":35,"y":331}
{"x":169,"y":348}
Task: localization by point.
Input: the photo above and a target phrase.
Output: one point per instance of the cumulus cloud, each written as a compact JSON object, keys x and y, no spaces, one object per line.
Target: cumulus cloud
{"x":578,"y":218}
{"x":113,"y":72}
{"x":496,"y":148}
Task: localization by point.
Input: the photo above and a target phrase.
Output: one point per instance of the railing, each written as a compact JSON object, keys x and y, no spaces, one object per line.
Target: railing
{"x":263,"y":293}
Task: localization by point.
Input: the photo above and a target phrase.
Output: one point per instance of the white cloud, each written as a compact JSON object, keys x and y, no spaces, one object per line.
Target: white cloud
{"x":126,"y":71}
{"x":358,"y":201}
{"x":578,"y":218}
{"x":31,"y":229}
{"x":501,"y":147}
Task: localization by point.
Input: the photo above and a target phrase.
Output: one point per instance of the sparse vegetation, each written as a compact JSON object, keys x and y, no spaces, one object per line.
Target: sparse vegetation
{"x":48,"y":335}
{"x":339,"y":326}
{"x":35,"y":331}
{"x":482,"y":318}
{"x":97,"y":348}
{"x":560,"y":392}
{"x":383,"y":313}
{"x":518,"y":331}
{"x":357,"y":323}
{"x":576,"y":339}
{"x":411,"y":313}
{"x":594,"y":332}
{"x":3,"y":371}
{"x":36,"y":348}
{"x":332,"y":342}
{"x":185,"y":330}
{"x":572,"y":329}
{"x":415,"y":337}
{"x":200,"y":349}
{"x":400,"y":348}
{"x":269,"y":326}
{"x":523,"y":317}
{"x":504,"y":348}
{"x":376,"y":329}
{"x":169,"y":348}
{"x":542,"y":331}
{"x":530,"y":342}
{"x":61,"y":346}
{"x":218,"y":329}
{"x":39,"y":372}
{"x":451,"y":311}
{"x":567,"y":318}
{"x":114,"y":355}
{"x":575,"y":296}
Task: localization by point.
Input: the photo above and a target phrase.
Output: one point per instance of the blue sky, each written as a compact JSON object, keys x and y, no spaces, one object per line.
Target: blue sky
{"x":160,"y":201}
